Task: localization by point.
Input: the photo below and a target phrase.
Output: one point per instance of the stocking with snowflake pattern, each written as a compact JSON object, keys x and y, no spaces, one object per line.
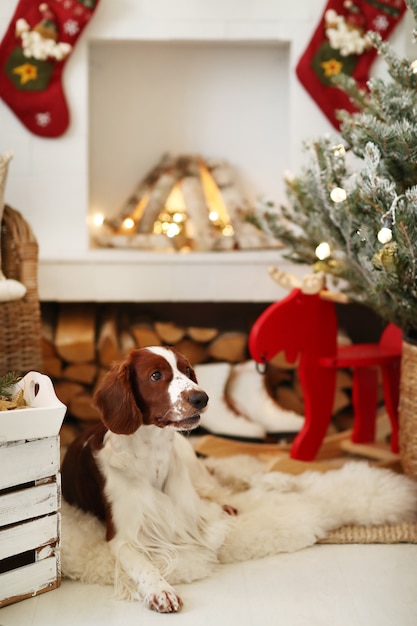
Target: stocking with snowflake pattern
{"x":340,"y":45}
{"x":33,"y":53}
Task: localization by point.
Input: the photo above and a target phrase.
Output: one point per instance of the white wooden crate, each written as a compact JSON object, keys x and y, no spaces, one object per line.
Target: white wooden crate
{"x":30,"y":492}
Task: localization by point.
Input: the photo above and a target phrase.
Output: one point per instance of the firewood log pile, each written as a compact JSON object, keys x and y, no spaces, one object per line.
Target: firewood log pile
{"x":81,"y":341}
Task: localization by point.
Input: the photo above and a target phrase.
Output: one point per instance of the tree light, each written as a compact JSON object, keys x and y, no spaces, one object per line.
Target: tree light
{"x":339,"y":150}
{"x":338,"y":194}
{"x":385,"y":234}
{"x":323,"y":251}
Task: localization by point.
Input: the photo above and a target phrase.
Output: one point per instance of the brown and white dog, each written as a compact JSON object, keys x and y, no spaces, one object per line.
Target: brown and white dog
{"x":163,"y":520}
{"x":132,"y":471}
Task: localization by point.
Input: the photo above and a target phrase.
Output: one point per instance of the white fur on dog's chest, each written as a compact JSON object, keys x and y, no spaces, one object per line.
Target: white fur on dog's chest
{"x":143,"y":457}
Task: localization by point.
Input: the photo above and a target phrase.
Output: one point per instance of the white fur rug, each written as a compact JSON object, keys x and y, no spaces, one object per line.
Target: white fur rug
{"x":277,"y":513}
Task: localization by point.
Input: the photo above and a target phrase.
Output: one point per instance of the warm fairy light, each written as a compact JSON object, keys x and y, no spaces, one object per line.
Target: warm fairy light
{"x":178,"y":217}
{"x":323,"y":251}
{"x":213,"y":196}
{"x":213,"y":216}
{"x":98,"y":219}
{"x":173,"y":230}
{"x":385,"y":235}
{"x":413,"y":66}
{"x":228,"y":231}
{"x":339,"y":150}
{"x":128,"y":223}
{"x":338,"y":194}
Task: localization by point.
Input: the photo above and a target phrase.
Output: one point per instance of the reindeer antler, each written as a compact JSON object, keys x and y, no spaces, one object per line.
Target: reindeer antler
{"x":284,"y":279}
{"x":311,"y":284}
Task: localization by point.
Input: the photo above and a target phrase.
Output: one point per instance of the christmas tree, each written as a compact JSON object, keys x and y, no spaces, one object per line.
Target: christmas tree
{"x":352,"y":211}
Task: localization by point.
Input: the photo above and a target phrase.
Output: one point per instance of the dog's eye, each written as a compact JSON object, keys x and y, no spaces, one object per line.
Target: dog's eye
{"x":188,"y":371}
{"x":156,"y":375}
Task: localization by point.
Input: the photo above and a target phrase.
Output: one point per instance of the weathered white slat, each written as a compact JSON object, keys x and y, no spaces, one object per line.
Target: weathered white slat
{"x":29,"y":580}
{"x":25,"y":461}
{"x":27,"y":504}
{"x":28,"y":536}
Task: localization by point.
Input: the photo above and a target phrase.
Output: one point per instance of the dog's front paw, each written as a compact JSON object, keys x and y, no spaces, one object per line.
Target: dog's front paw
{"x":165,"y":601}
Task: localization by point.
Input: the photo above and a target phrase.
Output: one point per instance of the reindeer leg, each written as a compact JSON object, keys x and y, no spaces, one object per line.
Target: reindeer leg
{"x":318,"y":385}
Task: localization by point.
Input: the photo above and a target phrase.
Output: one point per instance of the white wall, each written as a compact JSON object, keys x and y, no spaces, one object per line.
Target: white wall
{"x":48,"y":178}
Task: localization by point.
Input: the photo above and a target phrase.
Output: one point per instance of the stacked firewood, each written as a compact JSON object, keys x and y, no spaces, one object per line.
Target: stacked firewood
{"x":202,"y":189}
{"x":81,"y":341}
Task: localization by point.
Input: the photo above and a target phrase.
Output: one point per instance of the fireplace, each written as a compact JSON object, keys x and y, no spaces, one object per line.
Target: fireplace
{"x":226,"y":102}
{"x":215,"y":79}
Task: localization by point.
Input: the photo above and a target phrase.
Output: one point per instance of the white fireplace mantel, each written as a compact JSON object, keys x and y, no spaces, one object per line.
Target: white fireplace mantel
{"x":133,"y":276}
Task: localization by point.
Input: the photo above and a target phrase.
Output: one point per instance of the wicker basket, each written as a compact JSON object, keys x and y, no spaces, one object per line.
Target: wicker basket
{"x":408,"y":409}
{"x":20,"y":320}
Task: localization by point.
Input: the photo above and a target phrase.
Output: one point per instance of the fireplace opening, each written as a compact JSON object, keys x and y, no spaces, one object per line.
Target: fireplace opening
{"x":199,"y":101}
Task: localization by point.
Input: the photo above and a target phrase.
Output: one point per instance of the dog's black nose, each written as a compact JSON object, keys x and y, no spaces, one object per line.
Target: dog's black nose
{"x":198,"y":399}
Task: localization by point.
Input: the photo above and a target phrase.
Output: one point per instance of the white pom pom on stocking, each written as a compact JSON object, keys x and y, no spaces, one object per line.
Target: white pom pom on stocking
{"x":9,"y":289}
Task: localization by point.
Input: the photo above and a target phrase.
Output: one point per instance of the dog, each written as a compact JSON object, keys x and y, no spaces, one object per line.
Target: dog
{"x":143,"y":512}
{"x":130,"y":470}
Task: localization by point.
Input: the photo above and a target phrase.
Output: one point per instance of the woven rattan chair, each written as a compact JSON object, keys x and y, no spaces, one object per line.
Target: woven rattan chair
{"x":20,"y":320}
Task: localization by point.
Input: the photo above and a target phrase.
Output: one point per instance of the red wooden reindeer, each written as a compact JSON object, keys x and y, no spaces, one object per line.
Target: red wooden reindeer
{"x":304,"y":325}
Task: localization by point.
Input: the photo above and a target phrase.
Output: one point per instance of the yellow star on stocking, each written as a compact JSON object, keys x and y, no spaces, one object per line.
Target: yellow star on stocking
{"x":331,"y":67}
{"x":27,"y":72}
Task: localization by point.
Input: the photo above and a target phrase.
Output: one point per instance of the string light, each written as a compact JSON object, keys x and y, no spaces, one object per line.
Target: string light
{"x":385,"y":234}
{"x":339,"y":150}
{"x":388,"y":220}
{"x":413,"y":66}
{"x":98,"y":219}
{"x":128,"y":223}
{"x":338,"y":194}
{"x":323,"y":251}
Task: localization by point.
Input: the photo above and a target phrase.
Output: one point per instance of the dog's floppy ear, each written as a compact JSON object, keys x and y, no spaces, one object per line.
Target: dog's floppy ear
{"x":193,"y":375}
{"x":115,"y":401}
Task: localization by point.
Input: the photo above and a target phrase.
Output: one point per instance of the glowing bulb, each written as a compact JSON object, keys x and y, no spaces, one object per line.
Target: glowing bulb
{"x":213,"y":216}
{"x":385,"y":235}
{"x":323,"y":251}
{"x":228,"y":231}
{"x":128,"y":223}
{"x":98,"y":219}
{"x":339,"y":150}
{"x":413,"y":66}
{"x":338,"y":194}
{"x":178,"y":217}
{"x":172,"y":230}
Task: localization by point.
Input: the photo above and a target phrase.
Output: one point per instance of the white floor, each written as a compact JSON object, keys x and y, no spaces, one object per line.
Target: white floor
{"x":345,"y":585}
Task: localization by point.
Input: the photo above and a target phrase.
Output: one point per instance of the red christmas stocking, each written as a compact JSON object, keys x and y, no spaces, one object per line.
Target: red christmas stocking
{"x":33,"y":53}
{"x":340,"y":45}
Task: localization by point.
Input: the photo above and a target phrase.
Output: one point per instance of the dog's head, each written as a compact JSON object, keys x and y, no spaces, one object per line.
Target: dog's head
{"x":152,"y":385}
